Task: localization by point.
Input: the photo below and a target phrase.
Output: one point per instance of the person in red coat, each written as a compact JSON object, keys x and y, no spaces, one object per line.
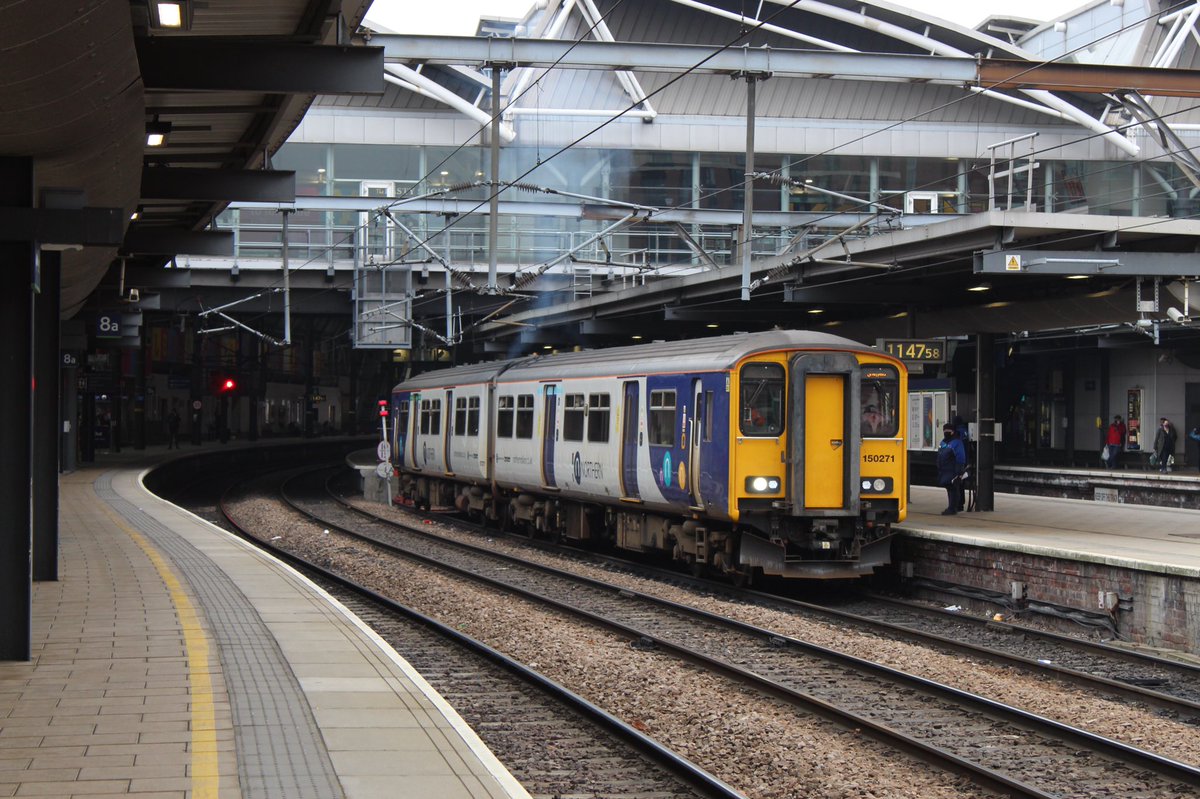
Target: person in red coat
{"x":1115,"y":441}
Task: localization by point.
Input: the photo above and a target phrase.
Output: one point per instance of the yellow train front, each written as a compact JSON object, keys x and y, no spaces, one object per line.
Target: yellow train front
{"x":818,"y":459}
{"x":779,"y":453}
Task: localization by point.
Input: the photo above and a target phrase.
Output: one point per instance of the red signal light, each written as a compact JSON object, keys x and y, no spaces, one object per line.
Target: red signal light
{"x":227,"y":385}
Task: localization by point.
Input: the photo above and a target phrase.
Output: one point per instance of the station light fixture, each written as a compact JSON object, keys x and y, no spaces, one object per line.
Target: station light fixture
{"x":156,"y":133}
{"x":981,"y":287}
{"x":171,"y":14}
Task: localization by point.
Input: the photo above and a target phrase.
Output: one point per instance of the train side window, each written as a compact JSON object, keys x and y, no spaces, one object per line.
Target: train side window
{"x":460,"y":416}
{"x":662,"y":418}
{"x":573,"y":413}
{"x":504,"y":416}
{"x":709,"y":398}
{"x":524,"y":416}
{"x":431,"y":417}
{"x":762,"y":399}
{"x":880,"y":401}
{"x":597,"y":417}
{"x":402,"y":418}
{"x":435,"y":417}
{"x":472,"y":416}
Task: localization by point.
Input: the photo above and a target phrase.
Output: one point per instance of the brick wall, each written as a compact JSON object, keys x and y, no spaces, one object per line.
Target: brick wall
{"x":1153,"y":608}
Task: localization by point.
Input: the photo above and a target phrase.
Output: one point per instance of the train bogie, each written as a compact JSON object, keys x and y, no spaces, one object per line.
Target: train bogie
{"x":779,"y":452}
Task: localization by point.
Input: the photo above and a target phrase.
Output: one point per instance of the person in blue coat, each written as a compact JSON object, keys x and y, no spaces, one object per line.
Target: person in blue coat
{"x":951,"y":463}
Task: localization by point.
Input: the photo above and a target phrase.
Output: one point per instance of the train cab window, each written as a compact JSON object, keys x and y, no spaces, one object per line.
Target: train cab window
{"x":504,"y":417}
{"x":524,"y":416}
{"x":431,"y":417}
{"x":762,"y":390}
{"x":662,"y":418}
{"x":880,"y":401}
{"x":574,"y":409}
{"x":597,"y":417}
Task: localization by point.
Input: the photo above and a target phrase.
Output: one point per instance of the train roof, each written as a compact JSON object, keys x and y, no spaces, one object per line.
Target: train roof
{"x":693,"y":355}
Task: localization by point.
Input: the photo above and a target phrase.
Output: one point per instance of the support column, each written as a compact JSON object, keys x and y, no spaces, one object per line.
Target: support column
{"x":985,"y":399}
{"x":46,"y":417}
{"x":494,"y":201}
{"x":746,"y":244}
{"x":16,"y":409}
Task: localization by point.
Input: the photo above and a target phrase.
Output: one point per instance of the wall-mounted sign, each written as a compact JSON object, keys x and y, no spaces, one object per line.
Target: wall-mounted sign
{"x":914,"y":350}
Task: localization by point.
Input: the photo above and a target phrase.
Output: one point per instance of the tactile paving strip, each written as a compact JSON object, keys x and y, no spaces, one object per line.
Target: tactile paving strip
{"x":280,"y":752}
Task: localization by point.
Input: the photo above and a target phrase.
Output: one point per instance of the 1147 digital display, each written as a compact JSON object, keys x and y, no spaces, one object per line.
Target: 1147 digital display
{"x":915,"y":350}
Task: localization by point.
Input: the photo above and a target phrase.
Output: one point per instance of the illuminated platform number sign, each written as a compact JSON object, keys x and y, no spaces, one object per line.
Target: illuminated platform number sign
{"x":916,"y":350}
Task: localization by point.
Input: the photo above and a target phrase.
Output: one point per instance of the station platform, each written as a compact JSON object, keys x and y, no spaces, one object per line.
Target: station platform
{"x":1132,"y":568}
{"x":1142,"y":537}
{"x":173,"y":660}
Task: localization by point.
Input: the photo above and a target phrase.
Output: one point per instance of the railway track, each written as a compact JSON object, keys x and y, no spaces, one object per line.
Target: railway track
{"x":1172,"y":686}
{"x":554,"y":742}
{"x":1000,"y":746}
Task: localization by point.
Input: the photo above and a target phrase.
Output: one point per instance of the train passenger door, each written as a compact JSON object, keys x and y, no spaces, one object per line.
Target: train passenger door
{"x":549,"y":424}
{"x":698,"y":433}
{"x":629,"y":442}
{"x":825,"y":438}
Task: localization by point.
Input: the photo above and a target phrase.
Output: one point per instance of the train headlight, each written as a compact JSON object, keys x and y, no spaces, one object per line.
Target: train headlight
{"x":876,"y":485}
{"x":763,"y":485}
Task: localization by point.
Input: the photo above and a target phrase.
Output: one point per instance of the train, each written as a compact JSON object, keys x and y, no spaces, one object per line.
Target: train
{"x":778,"y":453}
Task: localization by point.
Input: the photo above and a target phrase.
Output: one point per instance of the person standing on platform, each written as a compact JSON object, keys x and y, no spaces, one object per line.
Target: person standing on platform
{"x":951,"y":461}
{"x":173,"y":429}
{"x":1164,"y":444}
{"x":1115,"y":442}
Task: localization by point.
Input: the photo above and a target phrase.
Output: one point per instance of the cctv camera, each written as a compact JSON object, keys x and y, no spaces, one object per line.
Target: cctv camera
{"x":1175,"y":314}
{"x":133,"y":295}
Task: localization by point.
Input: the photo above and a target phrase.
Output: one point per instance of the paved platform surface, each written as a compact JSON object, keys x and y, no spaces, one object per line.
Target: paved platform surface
{"x":172,"y":660}
{"x":1146,"y":537}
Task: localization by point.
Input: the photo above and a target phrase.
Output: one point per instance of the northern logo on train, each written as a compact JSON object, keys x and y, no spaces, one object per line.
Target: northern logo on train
{"x":577,"y":466}
{"x":666,"y":469}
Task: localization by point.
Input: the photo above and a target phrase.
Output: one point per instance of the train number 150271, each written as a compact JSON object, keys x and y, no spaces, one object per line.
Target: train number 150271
{"x":878,"y":458}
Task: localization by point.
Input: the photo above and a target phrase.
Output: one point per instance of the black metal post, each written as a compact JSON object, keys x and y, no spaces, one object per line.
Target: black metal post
{"x":16,"y":411}
{"x":985,"y":398}
{"x":46,"y":417}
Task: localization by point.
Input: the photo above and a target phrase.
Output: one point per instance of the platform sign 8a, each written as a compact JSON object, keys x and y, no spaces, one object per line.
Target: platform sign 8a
{"x":108,"y":324}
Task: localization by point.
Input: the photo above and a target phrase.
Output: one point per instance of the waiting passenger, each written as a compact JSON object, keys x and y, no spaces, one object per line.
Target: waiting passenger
{"x":1164,"y":445}
{"x":1114,"y":443}
{"x":951,"y":463}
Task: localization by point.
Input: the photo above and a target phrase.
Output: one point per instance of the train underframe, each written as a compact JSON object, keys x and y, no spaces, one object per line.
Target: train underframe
{"x":766,"y":544}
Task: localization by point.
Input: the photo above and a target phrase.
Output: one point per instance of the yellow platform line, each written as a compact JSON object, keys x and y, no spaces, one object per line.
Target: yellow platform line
{"x":205,"y":769}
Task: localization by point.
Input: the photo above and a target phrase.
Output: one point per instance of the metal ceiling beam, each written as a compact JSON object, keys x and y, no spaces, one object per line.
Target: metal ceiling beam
{"x":255,"y":65}
{"x":87,"y":227}
{"x":471,"y":50}
{"x":988,"y":73}
{"x":189,"y":183}
{"x":143,"y":240}
{"x":687,"y":216}
{"x":1088,"y":262}
{"x":1090,"y":78}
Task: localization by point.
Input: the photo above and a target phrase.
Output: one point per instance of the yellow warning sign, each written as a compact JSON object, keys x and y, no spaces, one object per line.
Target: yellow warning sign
{"x":1012,"y":263}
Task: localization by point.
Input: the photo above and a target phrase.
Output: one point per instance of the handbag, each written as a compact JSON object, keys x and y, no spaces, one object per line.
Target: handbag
{"x":1153,"y":459}
{"x":1104,"y":454}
